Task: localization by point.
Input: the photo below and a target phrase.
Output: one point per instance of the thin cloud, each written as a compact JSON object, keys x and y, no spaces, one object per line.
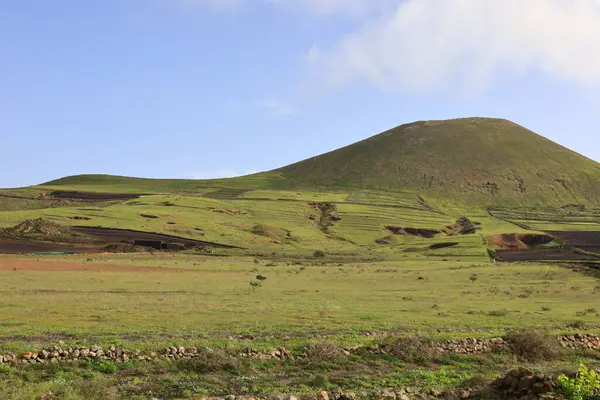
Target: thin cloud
{"x":429,"y":44}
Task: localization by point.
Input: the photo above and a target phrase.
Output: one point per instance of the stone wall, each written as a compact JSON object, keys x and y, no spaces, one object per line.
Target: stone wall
{"x":73,"y":354}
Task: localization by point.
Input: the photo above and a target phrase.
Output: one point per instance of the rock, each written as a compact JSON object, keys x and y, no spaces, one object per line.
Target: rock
{"x":388,"y":394}
{"x":465,"y":394}
{"x":230,"y":397}
{"x":323,"y":395}
{"x":291,"y":397}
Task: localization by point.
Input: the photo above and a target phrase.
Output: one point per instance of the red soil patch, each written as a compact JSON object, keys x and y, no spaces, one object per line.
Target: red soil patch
{"x":34,"y":265}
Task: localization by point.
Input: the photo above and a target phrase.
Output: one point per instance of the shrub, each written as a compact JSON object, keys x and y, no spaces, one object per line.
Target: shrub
{"x":585,"y":385}
{"x":322,"y":351}
{"x":534,"y":345}
{"x":579,"y":324}
{"x":255,"y":284}
{"x":261,"y":277}
{"x":319,"y":254}
{"x":498,"y":313}
{"x":103,"y":366}
{"x":207,"y":361}
{"x":477,"y":381}
{"x":473,"y":277}
{"x":412,"y":349}
{"x":320,"y":382}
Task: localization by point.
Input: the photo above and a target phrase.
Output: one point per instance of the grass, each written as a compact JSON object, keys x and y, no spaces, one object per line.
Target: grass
{"x":213,"y":297}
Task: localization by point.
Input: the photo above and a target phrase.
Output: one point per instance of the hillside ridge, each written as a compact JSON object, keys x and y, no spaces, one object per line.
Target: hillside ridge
{"x":476,"y":160}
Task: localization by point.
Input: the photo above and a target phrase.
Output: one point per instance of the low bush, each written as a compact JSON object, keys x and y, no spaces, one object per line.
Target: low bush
{"x":210,"y":361}
{"x":412,"y":349}
{"x":322,"y":351}
{"x":534,"y":345}
{"x":105,"y":367}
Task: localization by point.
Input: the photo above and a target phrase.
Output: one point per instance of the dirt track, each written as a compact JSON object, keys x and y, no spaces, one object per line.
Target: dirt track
{"x":8,"y":264}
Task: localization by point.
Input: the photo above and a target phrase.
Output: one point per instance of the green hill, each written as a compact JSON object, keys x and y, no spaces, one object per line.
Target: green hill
{"x":474,"y":160}
{"x":477,"y":159}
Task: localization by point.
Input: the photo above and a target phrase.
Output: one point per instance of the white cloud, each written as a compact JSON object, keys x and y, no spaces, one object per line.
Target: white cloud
{"x":429,"y":44}
{"x":222,"y":173}
{"x":277,"y":108}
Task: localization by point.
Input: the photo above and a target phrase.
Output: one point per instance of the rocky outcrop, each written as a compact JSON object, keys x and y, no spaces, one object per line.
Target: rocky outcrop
{"x":524,"y":384}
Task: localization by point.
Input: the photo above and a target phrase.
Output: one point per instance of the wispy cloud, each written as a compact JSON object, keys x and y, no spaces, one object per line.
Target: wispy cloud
{"x":276,"y":107}
{"x":222,"y":173}
{"x":428,"y":44}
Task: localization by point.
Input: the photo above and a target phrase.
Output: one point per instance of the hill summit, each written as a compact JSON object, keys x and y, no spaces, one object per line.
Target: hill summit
{"x":477,"y":159}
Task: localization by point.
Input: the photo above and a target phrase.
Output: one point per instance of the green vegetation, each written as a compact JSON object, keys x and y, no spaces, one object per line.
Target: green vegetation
{"x":391,"y":237}
{"x":583,"y":387}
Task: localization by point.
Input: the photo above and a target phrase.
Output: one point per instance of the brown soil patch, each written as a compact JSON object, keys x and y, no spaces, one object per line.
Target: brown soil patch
{"x":463,"y":226}
{"x":34,"y":265}
{"x":515,"y":241}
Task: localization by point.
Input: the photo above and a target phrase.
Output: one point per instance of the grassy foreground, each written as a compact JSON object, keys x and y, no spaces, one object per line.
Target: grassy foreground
{"x":178,"y":299}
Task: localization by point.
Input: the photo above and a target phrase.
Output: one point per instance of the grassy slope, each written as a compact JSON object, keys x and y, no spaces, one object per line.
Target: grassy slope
{"x":474,"y":160}
{"x":477,"y":160}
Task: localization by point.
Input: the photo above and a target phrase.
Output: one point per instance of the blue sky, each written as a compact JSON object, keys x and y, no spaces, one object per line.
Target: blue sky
{"x":210,"y":88}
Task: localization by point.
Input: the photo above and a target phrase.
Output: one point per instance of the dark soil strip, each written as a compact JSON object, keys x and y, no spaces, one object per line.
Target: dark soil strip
{"x":63,"y":194}
{"x":9,"y":246}
{"x":543,"y":255}
{"x":140,"y":235}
